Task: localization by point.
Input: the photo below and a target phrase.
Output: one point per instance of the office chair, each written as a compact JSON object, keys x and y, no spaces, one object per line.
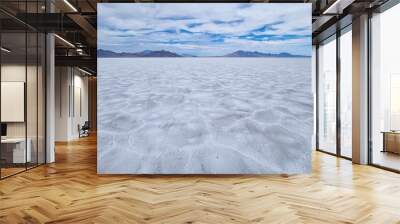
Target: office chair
{"x":84,"y":130}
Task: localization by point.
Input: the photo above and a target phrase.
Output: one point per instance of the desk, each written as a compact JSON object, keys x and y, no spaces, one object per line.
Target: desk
{"x":16,"y":147}
{"x":391,"y":141}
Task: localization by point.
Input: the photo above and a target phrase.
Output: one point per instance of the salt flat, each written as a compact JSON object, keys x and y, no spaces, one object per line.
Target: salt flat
{"x":204,"y":115}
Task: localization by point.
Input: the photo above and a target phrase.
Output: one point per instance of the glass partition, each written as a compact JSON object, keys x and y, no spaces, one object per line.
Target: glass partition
{"x":346,"y":93}
{"x":22,"y":101}
{"x":31,"y":99}
{"x":385,"y":89}
{"x":41,"y":97}
{"x":14,"y":155}
{"x":327,"y":96}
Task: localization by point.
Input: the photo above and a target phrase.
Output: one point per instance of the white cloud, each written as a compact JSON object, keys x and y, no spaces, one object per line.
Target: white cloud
{"x":166,"y":26}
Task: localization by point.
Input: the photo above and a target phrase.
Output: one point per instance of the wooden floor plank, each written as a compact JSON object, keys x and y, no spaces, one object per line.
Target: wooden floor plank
{"x":70,"y":191}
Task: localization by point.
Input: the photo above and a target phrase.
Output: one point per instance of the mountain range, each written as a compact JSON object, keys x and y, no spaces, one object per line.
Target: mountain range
{"x":261,"y":54}
{"x":111,"y":54}
{"x":163,"y":53}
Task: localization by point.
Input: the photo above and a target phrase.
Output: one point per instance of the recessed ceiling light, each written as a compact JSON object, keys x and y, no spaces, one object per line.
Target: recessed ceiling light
{"x":64,"y":40}
{"x":70,"y":5}
{"x":337,"y":7}
{"x":5,"y":50}
{"x":84,"y":71}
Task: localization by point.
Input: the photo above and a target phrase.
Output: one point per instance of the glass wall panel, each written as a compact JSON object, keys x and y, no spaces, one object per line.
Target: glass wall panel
{"x":41,"y":98}
{"x":327,"y":96}
{"x":31,"y":97}
{"x":14,"y":154}
{"x":385,"y":89}
{"x":22,"y":77}
{"x":346,"y":93}
{"x":42,"y":90}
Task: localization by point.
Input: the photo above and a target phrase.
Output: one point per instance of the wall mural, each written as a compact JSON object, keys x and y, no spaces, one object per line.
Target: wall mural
{"x":204,"y":88}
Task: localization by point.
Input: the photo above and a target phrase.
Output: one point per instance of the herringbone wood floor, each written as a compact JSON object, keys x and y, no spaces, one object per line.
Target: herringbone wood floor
{"x":70,"y":191}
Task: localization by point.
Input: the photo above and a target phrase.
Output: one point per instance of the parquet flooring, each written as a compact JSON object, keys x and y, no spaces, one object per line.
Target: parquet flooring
{"x":10,"y":171}
{"x":70,"y":191}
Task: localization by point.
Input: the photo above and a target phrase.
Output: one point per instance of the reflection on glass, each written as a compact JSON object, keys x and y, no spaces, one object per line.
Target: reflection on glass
{"x":327,"y":96}
{"x":394,"y":102}
{"x":14,"y":153}
{"x":22,"y":91}
{"x":386,"y":89}
{"x":346,"y":93}
{"x":31,"y":101}
{"x":41,"y":98}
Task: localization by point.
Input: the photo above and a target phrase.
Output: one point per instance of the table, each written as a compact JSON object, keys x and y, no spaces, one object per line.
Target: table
{"x":391,"y":141}
{"x":16,"y":147}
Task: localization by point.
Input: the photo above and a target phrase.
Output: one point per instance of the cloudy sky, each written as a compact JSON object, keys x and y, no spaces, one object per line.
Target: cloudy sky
{"x":205,"y":29}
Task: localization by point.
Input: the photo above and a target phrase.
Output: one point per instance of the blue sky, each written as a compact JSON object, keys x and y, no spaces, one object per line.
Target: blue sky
{"x":205,"y":29}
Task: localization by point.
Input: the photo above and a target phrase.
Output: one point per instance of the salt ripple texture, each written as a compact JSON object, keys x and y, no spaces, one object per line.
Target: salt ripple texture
{"x":204,"y":115}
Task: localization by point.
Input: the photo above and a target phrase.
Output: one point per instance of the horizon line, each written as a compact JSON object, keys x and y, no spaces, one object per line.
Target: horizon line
{"x":185,"y":55}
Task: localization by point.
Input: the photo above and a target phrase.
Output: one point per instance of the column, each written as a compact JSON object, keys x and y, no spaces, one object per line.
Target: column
{"x":360,"y":90}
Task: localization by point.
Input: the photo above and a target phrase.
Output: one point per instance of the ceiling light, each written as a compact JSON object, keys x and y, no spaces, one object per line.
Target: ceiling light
{"x":5,"y":50}
{"x":79,"y":51}
{"x":70,"y":5}
{"x":65,"y":41}
{"x":337,"y":7}
{"x":84,"y":71}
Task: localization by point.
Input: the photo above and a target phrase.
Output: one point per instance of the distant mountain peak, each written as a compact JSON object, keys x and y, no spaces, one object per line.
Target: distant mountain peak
{"x":242,"y":53}
{"x":146,"y":51}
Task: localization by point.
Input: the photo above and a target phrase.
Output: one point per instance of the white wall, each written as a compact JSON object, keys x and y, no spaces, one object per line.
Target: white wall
{"x":79,"y":112}
{"x":17,"y":73}
{"x":14,"y":72}
{"x":33,"y":126}
{"x":70,"y":83}
{"x":62,"y":82}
